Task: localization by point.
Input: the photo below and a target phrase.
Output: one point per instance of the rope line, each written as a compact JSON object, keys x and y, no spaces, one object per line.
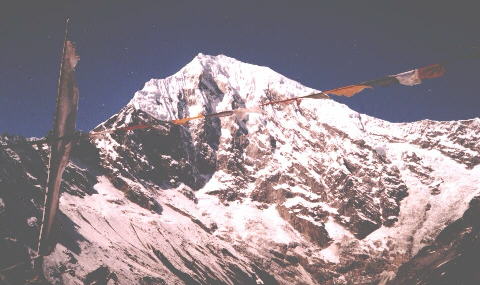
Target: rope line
{"x":426,"y":72}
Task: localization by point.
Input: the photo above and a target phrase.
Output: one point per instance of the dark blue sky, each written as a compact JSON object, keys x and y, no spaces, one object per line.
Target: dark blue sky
{"x":322,"y":44}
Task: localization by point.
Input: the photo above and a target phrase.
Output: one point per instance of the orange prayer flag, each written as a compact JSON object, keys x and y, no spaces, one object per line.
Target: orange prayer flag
{"x":62,"y":145}
{"x":185,"y":120}
{"x":348,"y":91}
{"x":431,"y":71}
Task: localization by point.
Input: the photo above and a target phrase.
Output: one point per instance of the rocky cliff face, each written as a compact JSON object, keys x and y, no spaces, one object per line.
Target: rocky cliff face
{"x":452,"y":258}
{"x":306,"y":193}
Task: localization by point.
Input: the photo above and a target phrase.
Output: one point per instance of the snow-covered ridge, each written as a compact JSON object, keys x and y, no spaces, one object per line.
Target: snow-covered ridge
{"x":211,"y":84}
{"x":191,"y":90}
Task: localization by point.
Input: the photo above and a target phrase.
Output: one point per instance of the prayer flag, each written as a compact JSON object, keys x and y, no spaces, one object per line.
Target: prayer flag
{"x":185,"y":120}
{"x":61,"y":145}
{"x":431,"y":71}
{"x":382,"y":82}
{"x":409,"y":78}
{"x":348,"y":91}
{"x":320,"y":95}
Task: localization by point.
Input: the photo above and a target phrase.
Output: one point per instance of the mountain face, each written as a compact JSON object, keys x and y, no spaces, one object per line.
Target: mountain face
{"x":306,"y":193}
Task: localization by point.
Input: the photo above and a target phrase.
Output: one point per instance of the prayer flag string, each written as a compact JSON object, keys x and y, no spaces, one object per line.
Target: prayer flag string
{"x":408,"y":78}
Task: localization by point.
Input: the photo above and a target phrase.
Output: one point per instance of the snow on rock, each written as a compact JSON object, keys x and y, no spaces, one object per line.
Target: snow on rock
{"x":432,"y":203}
{"x":331,"y":253}
{"x":137,"y":244}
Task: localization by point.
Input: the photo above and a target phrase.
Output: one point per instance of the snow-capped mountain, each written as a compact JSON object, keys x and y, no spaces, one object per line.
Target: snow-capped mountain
{"x":305,"y":193}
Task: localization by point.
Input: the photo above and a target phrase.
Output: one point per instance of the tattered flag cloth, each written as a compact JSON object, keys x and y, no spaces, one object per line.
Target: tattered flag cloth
{"x":382,"y":82}
{"x":409,"y":78}
{"x":431,"y":71}
{"x":414,"y":77}
{"x":320,"y":95}
{"x":348,"y":91}
{"x":185,"y":120}
{"x":61,"y":144}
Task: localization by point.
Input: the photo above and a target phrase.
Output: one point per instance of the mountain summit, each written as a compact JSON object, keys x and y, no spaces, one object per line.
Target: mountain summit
{"x":212,"y":84}
{"x":305,"y":193}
